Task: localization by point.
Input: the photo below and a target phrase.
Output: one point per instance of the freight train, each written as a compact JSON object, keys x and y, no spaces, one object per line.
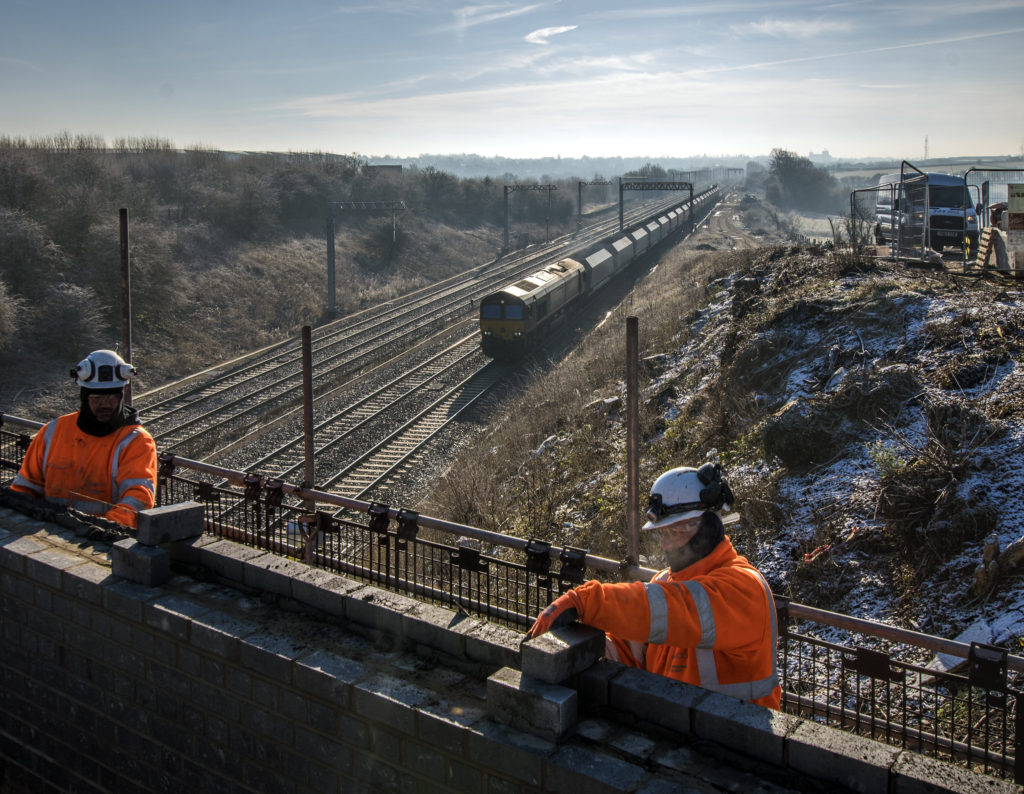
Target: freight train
{"x":514,"y":317}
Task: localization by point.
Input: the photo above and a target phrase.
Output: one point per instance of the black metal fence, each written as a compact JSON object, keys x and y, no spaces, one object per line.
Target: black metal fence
{"x":859,"y":680}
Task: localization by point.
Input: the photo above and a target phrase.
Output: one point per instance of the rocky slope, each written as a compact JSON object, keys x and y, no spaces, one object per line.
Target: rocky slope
{"x":869,"y":415}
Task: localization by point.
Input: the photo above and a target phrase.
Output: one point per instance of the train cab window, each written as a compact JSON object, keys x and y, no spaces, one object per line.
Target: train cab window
{"x":513,"y":312}
{"x":490,"y":311}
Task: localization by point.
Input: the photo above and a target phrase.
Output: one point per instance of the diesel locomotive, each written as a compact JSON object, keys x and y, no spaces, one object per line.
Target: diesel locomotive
{"x":514,"y":317}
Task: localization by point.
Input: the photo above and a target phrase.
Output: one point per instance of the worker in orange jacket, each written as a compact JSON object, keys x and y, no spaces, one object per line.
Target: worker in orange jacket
{"x":99,"y":459}
{"x":708,"y":619}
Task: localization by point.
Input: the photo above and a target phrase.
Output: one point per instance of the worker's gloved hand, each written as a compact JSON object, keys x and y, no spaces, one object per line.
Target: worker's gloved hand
{"x":561,"y":612}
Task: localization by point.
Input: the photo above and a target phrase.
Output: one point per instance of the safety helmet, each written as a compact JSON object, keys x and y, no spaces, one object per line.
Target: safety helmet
{"x":684,"y":493}
{"x":103,"y":369}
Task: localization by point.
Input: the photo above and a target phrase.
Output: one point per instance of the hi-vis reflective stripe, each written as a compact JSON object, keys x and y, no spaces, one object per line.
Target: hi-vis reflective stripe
{"x":114,"y":460}
{"x":706,"y":666}
{"x":659,"y":613}
{"x":48,"y":430}
{"x":22,"y":482}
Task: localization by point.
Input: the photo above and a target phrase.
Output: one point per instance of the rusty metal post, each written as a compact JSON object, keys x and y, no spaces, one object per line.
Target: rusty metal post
{"x":331,"y":308}
{"x":632,"y":440}
{"x":126,"y":302}
{"x":307,"y":403}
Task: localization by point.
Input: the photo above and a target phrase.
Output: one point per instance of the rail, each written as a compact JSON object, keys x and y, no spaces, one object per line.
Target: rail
{"x":851,"y":673}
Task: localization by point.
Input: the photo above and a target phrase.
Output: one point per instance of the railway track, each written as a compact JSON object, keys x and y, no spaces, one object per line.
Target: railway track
{"x":341,"y":435}
{"x":370,"y":472}
{"x":386,"y":382}
{"x":196,"y":416}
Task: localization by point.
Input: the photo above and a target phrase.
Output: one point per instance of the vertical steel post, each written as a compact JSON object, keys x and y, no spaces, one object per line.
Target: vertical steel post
{"x":547,"y":219}
{"x":506,"y":219}
{"x":330,"y":258}
{"x":307,"y":404}
{"x":620,"y":204}
{"x":126,"y":301}
{"x":632,"y":440}
{"x":1018,"y":731}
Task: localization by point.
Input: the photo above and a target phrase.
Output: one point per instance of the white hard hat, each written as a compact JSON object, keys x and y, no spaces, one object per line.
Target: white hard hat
{"x":103,"y":369}
{"x":684,"y":493}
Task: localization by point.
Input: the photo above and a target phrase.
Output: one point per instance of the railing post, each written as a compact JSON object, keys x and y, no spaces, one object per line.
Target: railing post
{"x":1018,"y":744}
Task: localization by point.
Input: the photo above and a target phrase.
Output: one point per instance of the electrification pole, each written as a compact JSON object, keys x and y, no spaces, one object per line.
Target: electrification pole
{"x":364,"y":206}
{"x":513,"y":189}
{"x":653,"y":186}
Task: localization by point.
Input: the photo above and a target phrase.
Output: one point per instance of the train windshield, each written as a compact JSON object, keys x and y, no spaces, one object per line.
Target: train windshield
{"x":491,"y":311}
{"x":513,"y":312}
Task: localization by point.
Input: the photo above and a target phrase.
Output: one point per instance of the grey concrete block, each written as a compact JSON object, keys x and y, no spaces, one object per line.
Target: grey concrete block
{"x":45,"y":566}
{"x":529,"y":704}
{"x":743,"y":727}
{"x":509,"y":752}
{"x":85,"y":582}
{"x":492,"y":645}
{"x":378,"y":609}
{"x":389,"y":701}
{"x":560,"y":653}
{"x":272,"y":653}
{"x":187,"y":551}
{"x":219,"y":634}
{"x":225,"y":558}
{"x":329,"y":676}
{"x":656,"y":699}
{"x":169,"y":523}
{"x":835,"y":756}
{"x":126,"y":598}
{"x":323,"y":590}
{"x":594,"y":683}
{"x":431,"y":626}
{"x":914,"y":773}
{"x":446,"y":725}
{"x":271,"y":573}
{"x":581,"y":768}
{"x":15,"y":548}
{"x":173,"y":615}
{"x":146,"y":565}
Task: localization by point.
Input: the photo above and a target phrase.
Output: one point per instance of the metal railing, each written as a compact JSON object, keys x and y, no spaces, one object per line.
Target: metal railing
{"x":847,"y":672}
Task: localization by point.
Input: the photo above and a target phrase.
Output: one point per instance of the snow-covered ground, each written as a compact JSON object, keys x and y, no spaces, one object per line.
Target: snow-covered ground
{"x":959,"y":343}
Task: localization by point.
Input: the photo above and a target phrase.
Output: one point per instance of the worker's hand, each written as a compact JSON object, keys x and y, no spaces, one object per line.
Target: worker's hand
{"x":561,"y":612}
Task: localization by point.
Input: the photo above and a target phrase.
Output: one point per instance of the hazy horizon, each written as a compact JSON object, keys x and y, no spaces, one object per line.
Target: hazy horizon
{"x":402,"y":78}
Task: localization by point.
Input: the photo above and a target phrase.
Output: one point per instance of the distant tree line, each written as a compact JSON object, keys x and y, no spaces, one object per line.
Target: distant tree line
{"x":197,"y":213}
{"x":795,"y":183}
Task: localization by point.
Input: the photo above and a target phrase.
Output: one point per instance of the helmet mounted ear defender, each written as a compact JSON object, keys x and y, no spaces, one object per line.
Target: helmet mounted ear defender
{"x":684,"y":493}
{"x":103,"y":369}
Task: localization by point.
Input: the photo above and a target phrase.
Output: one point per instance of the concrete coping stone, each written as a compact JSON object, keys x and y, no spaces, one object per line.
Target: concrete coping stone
{"x":557,"y":655}
{"x":531,"y":705}
{"x":170,"y":523}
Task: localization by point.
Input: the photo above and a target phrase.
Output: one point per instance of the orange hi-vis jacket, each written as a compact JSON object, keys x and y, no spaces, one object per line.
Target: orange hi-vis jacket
{"x":113,"y":476}
{"x":712,"y":624}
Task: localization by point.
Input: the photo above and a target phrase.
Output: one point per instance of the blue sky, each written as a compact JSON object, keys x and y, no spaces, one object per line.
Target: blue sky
{"x":522,"y":79}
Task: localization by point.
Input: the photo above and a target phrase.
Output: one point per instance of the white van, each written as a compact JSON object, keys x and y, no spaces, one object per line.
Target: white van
{"x":951,"y":213}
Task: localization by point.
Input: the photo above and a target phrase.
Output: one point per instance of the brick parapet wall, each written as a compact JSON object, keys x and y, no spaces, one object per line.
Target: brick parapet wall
{"x":261,"y":674}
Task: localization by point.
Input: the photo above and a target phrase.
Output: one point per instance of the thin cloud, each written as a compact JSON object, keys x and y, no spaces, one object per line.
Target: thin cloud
{"x":471,"y":16}
{"x":543,"y":35}
{"x":792,"y":29}
{"x":22,"y":63}
{"x":847,"y":53}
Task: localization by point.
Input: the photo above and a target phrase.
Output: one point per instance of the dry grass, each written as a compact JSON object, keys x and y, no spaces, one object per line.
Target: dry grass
{"x":223,"y":303}
{"x":551,"y":467}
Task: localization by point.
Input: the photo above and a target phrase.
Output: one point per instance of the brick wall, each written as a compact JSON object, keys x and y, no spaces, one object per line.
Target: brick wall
{"x":246,"y":672}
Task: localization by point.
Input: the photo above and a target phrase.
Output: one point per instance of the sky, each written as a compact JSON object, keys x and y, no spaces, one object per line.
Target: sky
{"x":551,"y":78}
